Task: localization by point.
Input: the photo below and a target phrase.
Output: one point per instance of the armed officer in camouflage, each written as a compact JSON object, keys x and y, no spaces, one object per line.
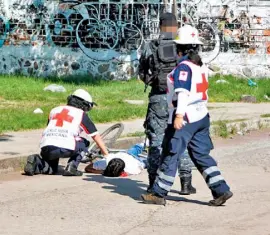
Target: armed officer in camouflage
{"x":157,"y":60}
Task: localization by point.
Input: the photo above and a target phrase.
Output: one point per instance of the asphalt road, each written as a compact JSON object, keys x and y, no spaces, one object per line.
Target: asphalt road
{"x":93,"y":204}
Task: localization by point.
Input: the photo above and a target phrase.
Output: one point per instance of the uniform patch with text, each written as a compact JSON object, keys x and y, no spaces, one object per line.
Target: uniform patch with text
{"x":183,"y":76}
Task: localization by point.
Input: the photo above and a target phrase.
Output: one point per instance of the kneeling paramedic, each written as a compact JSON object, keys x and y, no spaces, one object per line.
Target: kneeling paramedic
{"x":61,"y":138}
{"x":190,"y":124}
{"x":157,"y":60}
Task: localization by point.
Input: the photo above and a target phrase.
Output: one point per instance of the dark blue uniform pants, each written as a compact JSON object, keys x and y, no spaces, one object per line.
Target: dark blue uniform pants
{"x":155,"y":126}
{"x":196,"y":138}
{"x":50,"y":155}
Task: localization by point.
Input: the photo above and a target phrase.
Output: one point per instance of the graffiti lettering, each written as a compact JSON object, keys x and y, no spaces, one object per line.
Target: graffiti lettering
{"x":115,"y":30}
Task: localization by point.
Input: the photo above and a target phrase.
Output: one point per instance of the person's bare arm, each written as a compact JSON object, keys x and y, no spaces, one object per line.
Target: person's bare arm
{"x":90,"y":169}
{"x":97,"y":138}
{"x":90,"y":129}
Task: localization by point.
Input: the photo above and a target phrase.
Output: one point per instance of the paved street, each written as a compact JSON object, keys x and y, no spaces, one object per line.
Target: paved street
{"x":93,"y":204}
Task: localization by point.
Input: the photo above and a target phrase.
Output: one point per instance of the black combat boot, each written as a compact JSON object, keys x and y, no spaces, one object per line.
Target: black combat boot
{"x":71,"y":170}
{"x":31,"y":165}
{"x":186,"y":186}
{"x":151,"y":183}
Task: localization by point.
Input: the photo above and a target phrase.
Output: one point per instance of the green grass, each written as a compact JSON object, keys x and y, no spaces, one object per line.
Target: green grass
{"x":20,"y":96}
{"x":221,"y":129}
{"x":267,"y":115}
{"x":235,"y":88}
{"x":136,"y":134}
{"x":229,"y":121}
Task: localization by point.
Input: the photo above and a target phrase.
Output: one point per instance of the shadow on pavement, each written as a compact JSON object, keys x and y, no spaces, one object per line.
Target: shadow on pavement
{"x":5,"y":138}
{"x":123,"y":186}
{"x":184,"y":198}
{"x":133,"y":188}
{"x":61,"y":169}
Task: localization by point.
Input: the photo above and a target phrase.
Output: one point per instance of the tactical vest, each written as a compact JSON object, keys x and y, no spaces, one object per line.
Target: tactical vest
{"x":165,"y":60}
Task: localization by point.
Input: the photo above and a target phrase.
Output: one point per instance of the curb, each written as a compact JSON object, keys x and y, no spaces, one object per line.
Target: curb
{"x":222,"y":129}
{"x":12,"y":164}
{"x":225,"y":128}
{"x":16,"y":164}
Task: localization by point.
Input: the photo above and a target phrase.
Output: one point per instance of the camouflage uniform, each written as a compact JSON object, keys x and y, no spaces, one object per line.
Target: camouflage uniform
{"x":155,"y":125}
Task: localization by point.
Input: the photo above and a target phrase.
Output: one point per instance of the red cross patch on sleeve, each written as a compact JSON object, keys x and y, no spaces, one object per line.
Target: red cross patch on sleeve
{"x":183,"y":76}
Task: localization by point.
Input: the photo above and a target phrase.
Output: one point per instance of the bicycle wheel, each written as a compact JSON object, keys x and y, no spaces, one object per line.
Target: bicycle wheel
{"x":109,"y":136}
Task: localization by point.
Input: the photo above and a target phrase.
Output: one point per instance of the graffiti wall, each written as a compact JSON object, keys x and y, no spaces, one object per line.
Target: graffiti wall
{"x":104,"y":38}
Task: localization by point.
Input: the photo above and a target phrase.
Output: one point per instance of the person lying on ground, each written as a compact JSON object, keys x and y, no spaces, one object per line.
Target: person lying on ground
{"x":130,"y":162}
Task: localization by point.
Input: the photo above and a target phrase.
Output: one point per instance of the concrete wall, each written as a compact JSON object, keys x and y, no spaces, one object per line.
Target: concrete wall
{"x":103,"y":38}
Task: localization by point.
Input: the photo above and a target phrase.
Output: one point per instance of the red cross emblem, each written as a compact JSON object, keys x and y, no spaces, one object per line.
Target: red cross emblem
{"x":202,"y":87}
{"x":193,"y":34}
{"x":61,"y":117}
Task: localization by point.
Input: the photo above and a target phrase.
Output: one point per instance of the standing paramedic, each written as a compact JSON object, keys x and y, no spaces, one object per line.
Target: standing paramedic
{"x":61,"y":138}
{"x":191,"y":123}
{"x":157,"y":60}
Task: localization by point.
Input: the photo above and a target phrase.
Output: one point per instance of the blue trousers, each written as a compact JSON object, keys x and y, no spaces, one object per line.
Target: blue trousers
{"x":196,"y":138}
{"x":134,"y":151}
{"x":155,"y":126}
{"x":50,"y":155}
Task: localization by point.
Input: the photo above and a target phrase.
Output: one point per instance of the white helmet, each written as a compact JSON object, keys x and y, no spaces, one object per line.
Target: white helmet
{"x":84,"y":95}
{"x":187,"y":35}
